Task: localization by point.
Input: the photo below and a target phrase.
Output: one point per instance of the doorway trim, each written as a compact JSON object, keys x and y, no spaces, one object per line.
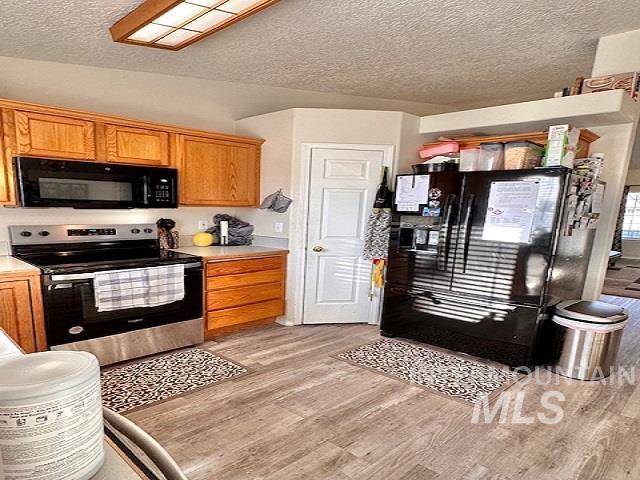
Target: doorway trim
{"x":300,"y":217}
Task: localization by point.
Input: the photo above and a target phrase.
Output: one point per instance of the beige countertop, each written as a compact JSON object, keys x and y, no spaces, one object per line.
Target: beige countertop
{"x":231,"y":252}
{"x":13,"y":265}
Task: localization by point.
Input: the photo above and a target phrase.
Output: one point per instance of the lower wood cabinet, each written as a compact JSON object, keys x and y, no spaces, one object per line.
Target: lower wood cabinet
{"x":242,"y":292}
{"x":21,"y":315}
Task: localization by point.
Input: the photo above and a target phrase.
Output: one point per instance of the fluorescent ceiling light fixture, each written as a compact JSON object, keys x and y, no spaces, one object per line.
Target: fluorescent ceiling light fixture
{"x":175,"y":24}
{"x":181,"y":13}
{"x":177,"y":37}
{"x":150,"y":32}
{"x":236,"y":6}
{"x":207,"y":3}
{"x":211,"y":19}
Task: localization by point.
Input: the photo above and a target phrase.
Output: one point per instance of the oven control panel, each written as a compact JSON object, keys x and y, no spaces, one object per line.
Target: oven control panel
{"x":45,"y":234}
{"x":90,"y":232}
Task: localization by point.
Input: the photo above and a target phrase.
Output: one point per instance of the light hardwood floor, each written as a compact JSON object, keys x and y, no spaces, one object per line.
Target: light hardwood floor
{"x":303,"y":414}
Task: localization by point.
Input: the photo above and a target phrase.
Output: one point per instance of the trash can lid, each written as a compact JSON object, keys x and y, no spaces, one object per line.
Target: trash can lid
{"x":591,"y":311}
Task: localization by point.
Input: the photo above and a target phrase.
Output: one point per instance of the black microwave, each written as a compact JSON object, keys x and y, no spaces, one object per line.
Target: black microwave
{"x":44,"y":182}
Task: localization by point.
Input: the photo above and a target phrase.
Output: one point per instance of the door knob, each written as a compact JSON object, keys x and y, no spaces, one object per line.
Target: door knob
{"x":317,"y":248}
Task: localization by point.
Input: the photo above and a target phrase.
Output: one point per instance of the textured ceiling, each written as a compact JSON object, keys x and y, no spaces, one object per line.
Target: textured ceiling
{"x":439,"y":51}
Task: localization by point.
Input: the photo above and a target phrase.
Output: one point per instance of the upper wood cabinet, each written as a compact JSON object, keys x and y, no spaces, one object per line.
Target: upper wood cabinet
{"x":137,"y":145}
{"x":218,"y":172}
{"x":5,"y":169}
{"x":55,"y":136}
{"x":215,"y":169}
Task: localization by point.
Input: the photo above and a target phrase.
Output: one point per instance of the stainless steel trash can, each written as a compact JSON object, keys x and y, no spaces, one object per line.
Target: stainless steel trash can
{"x":586,"y":338}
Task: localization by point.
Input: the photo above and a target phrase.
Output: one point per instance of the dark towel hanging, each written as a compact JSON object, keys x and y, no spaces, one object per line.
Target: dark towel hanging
{"x":383,"y":195}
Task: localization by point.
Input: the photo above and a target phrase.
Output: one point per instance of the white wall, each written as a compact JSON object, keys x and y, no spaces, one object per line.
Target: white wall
{"x":276,"y":166}
{"x":616,"y":143}
{"x":184,"y":101}
{"x":619,"y":54}
{"x":615,"y":54}
{"x":285,"y":161}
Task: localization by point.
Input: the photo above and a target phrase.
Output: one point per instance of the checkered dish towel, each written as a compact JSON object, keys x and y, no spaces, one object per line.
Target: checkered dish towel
{"x":138,"y":288}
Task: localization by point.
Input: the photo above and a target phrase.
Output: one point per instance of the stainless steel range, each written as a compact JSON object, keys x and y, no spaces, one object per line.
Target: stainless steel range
{"x":71,"y":257}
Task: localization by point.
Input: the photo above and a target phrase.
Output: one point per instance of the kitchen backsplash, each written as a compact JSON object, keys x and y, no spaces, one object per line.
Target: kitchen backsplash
{"x":187,"y":219}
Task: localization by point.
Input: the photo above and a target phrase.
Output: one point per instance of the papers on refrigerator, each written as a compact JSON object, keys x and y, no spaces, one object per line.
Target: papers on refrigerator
{"x":412,"y":191}
{"x":408,"y":207}
{"x":596,"y":201}
{"x":510,"y":212}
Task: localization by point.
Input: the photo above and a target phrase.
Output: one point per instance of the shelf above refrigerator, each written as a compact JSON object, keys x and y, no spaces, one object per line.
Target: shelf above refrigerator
{"x":583,"y":111}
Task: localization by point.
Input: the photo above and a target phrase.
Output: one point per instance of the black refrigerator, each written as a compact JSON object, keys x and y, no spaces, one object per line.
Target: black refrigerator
{"x":455,"y":283}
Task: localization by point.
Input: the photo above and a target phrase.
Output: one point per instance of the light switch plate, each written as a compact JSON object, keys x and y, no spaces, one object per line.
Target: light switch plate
{"x":278,"y":227}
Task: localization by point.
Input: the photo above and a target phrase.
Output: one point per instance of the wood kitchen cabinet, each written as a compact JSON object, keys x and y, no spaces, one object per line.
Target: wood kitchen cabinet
{"x":216,"y":169}
{"x":140,"y":146}
{"x":21,"y":313}
{"x":243,"y":292}
{"x":218,"y":172}
{"x":47,"y":135}
{"x":6,"y":177}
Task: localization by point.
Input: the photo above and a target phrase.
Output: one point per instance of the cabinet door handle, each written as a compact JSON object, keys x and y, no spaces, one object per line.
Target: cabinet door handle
{"x":318,"y":249}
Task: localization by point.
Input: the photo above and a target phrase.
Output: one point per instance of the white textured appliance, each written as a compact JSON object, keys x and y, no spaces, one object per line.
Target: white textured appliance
{"x":50,"y":416}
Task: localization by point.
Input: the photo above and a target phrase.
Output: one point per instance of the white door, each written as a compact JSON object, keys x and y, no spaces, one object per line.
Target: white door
{"x":343,"y":185}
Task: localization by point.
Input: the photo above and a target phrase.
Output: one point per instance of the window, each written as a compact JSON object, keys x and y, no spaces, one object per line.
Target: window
{"x":631,"y":222}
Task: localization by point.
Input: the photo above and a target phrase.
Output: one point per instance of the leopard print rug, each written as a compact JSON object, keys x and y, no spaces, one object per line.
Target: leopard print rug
{"x":145,"y":382}
{"x":448,"y":375}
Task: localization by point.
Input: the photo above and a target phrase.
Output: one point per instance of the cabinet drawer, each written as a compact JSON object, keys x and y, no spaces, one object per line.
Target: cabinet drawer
{"x":244,"y":279}
{"x":232,"y":267}
{"x":248,"y":313}
{"x":234,"y":297}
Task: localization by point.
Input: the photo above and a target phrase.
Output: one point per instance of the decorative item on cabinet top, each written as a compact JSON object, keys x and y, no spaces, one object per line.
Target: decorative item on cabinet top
{"x":225,"y":169}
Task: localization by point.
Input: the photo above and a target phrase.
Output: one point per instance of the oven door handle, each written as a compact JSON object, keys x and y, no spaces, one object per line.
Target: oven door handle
{"x":149,"y":445}
{"x":88,"y":276}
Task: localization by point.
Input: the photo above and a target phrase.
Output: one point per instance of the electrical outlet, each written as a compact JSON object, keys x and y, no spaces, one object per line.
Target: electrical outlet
{"x":278,"y":227}
{"x":203,"y":225}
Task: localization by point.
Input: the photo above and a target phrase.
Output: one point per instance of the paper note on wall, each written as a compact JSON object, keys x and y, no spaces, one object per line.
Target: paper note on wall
{"x":510,"y":212}
{"x":412,"y":189}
